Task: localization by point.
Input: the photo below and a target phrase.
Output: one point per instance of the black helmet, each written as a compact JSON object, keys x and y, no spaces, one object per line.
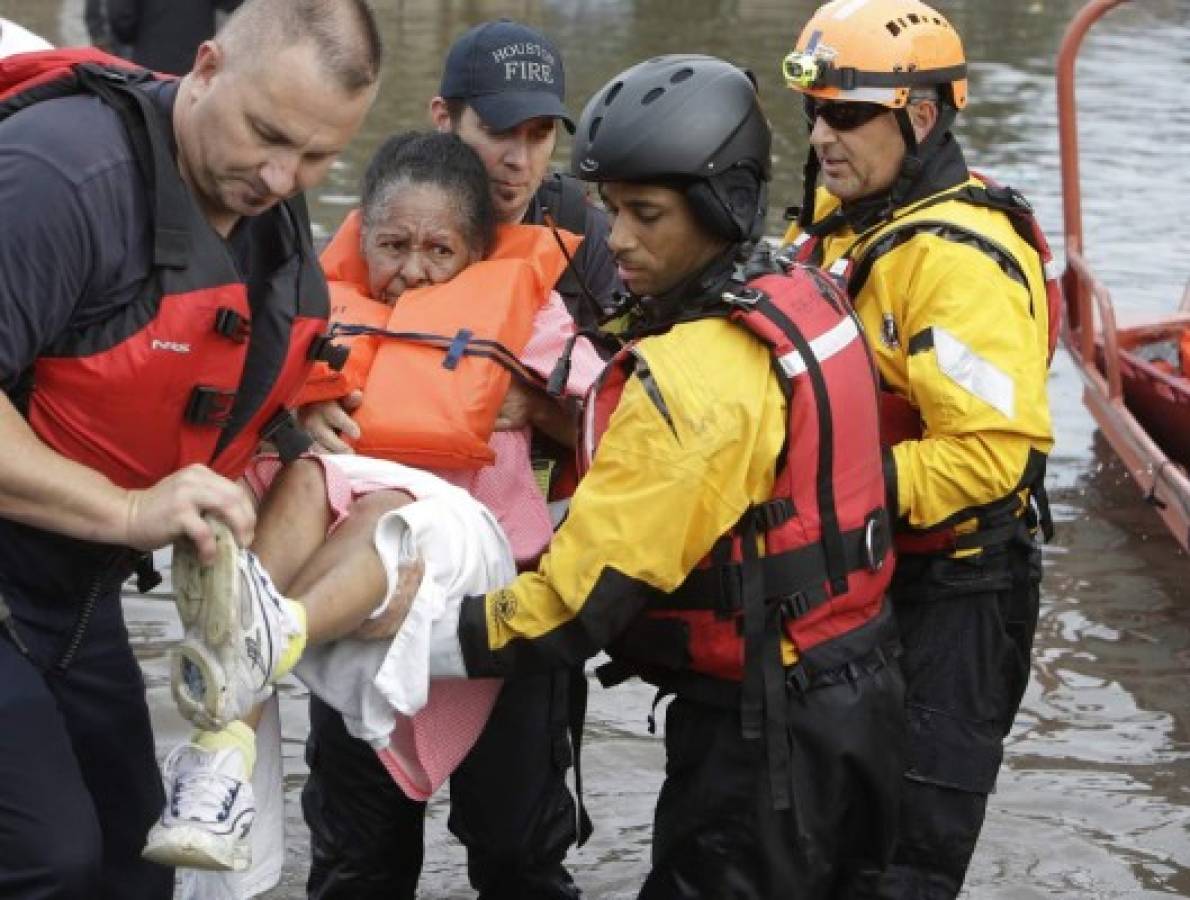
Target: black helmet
{"x":685,"y":119}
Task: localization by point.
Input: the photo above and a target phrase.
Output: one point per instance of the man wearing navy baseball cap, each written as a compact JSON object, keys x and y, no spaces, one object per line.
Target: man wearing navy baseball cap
{"x":507,"y":73}
{"x":503,"y":90}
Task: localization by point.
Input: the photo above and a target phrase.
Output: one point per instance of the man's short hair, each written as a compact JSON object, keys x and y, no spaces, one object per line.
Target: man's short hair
{"x":344,"y":32}
{"x":454,"y":109}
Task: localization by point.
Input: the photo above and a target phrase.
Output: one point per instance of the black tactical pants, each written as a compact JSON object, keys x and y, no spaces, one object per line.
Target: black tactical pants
{"x":967,"y":627}
{"x":717,"y":835}
{"x":79,"y":783}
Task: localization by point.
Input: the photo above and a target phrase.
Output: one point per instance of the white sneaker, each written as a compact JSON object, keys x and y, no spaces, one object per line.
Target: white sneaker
{"x":237,"y":629}
{"x":208,"y":812}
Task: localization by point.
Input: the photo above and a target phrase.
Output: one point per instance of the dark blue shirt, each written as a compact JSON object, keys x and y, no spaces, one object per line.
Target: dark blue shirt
{"x":75,"y":243}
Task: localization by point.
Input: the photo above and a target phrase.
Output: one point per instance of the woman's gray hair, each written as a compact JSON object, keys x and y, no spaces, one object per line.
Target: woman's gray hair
{"x":436,"y":158}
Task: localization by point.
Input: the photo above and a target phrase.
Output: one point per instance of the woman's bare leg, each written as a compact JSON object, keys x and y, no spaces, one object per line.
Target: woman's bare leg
{"x":292,"y":522}
{"x":344,"y":580}
{"x":339,"y":579}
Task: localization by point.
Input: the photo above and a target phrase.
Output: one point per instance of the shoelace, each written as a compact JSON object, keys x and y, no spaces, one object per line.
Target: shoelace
{"x":205,"y":795}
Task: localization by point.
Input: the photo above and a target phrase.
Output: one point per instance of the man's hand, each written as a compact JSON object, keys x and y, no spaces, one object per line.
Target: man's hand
{"x":174,"y":507}
{"x":326,"y":421}
{"x":389,"y":622}
{"x":528,"y":406}
{"x":521,"y":407}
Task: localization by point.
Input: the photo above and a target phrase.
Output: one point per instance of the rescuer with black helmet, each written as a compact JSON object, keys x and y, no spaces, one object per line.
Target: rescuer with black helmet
{"x":728,"y":541}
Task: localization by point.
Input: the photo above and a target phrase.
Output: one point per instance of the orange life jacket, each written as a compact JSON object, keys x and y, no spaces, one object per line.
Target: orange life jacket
{"x":434,"y":367}
{"x":1184,"y":345}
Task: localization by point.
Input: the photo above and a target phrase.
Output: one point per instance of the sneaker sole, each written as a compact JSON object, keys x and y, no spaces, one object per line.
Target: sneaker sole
{"x":198,"y":685}
{"x":189,"y":847}
{"x":208,"y":605}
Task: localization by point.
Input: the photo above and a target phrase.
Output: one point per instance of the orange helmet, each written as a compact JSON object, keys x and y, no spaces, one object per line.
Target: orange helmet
{"x":876,"y":51}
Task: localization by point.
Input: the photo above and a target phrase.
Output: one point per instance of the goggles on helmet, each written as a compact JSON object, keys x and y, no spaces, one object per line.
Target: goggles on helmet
{"x":840,"y":115}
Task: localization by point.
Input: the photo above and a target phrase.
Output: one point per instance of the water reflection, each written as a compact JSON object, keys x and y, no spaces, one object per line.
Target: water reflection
{"x":1093,"y":801}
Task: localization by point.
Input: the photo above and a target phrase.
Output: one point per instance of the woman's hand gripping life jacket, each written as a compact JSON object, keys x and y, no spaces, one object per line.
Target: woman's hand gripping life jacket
{"x":434,"y":367}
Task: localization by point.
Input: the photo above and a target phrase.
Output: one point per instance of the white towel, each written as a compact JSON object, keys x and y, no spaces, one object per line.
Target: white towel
{"x":465,"y":553}
{"x":375,"y":684}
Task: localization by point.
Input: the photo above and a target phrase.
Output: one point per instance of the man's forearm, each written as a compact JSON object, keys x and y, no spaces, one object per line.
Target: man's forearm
{"x":42,"y":488}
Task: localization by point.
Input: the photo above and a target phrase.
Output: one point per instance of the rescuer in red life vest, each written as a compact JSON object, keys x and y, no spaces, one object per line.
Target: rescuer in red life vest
{"x":160,"y":305}
{"x":728,"y":541}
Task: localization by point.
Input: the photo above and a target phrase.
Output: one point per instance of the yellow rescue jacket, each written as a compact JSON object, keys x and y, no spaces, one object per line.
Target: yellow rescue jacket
{"x":434,"y":367}
{"x":954,"y":304}
{"x":683,"y":456}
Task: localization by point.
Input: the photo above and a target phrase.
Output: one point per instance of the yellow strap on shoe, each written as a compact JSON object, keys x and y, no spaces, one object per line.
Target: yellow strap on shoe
{"x":237,"y":735}
{"x":297,"y":642}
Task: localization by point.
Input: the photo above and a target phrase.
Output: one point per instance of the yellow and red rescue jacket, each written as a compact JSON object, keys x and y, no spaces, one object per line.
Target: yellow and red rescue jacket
{"x":825,"y":530}
{"x":434,"y":367}
{"x":962,"y":312}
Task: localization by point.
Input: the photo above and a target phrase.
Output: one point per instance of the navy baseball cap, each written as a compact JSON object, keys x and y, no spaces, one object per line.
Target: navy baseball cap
{"x":507,"y":73}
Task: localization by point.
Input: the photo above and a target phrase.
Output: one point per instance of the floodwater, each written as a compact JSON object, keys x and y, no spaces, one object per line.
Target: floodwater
{"x":1094,"y":798}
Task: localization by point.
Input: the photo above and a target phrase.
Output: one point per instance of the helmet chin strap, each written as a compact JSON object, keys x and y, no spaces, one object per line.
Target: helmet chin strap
{"x":691,"y":297}
{"x":916,"y":154}
{"x":810,"y":171}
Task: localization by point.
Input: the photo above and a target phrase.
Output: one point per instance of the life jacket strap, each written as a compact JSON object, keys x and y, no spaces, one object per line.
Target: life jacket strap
{"x":764,"y":713}
{"x":284,"y":433}
{"x":795,"y":572}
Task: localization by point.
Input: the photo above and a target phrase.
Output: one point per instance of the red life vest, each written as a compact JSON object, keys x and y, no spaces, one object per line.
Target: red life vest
{"x":826,"y":561}
{"x":899,"y":419}
{"x":435,"y":366}
{"x":188,"y":372}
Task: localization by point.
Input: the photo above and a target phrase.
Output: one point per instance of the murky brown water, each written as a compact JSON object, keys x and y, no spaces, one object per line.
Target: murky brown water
{"x":1094,"y":800}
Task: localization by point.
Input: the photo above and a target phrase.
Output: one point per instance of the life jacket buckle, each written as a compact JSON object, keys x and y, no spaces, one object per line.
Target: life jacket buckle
{"x":745,"y":298}
{"x":795,"y":606}
{"x":284,"y":433}
{"x":457,"y":348}
{"x":797,"y":678}
{"x":209,"y":406}
{"x":231,"y":324}
{"x":772,"y":513}
{"x":323,"y":349}
{"x":876,"y":541}
{"x":786,"y":257}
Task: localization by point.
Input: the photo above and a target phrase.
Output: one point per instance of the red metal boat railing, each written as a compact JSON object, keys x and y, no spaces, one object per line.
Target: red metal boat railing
{"x":1162,"y":481}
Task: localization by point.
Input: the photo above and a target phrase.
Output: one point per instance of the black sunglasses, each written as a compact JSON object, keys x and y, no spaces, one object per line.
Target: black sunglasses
{"x":841,"y":116}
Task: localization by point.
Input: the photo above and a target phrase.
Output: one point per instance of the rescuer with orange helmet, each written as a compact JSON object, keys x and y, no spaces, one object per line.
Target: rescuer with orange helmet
{"x":946,"y":270}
